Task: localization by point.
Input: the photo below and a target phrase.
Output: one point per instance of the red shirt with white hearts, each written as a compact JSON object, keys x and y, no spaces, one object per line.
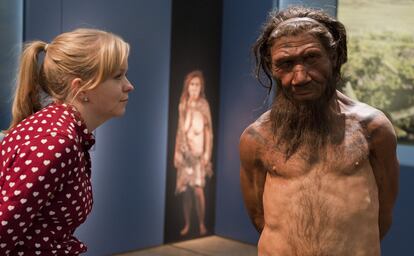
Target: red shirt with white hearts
{"x":45,"y":183}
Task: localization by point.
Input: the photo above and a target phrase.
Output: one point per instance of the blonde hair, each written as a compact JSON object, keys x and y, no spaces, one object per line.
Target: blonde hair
{"x":90,"y":54}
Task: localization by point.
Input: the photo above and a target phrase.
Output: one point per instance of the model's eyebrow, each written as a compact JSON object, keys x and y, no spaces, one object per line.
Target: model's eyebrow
{"x":281,"y":57}
{"x":312,"y":51}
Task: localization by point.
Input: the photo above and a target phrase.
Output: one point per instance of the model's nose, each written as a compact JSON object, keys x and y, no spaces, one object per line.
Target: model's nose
{"x":300,"y":75}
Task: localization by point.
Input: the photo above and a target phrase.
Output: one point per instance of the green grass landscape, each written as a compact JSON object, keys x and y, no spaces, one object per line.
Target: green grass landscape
{"x":380,"y":68}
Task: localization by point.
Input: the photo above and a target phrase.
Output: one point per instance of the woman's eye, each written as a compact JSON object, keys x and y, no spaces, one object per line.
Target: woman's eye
{"x":120,"y":76}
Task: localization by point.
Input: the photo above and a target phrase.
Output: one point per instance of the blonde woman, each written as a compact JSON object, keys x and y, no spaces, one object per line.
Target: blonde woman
{"x":45,"y":165}
{"x":193,"y":148}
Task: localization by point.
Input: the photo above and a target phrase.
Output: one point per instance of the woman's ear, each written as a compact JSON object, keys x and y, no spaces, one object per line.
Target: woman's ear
{"x":75,"y":85}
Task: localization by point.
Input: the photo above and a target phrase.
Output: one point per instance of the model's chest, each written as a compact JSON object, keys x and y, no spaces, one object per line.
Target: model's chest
{"x":195,"y":117}
{"x":344,"y":155}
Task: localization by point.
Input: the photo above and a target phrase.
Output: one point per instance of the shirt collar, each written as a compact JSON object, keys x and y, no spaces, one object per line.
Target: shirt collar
{"x":87,"y":139}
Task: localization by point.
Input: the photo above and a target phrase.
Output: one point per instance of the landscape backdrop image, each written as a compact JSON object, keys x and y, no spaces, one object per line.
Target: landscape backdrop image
{"x":380,"y":68}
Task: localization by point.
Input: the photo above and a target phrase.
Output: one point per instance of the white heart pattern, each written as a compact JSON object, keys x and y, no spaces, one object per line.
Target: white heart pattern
{"x":42,"y":186}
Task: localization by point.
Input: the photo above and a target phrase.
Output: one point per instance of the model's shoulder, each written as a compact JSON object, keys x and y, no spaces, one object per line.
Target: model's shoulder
{"x":370,"y":118}
{"x":253,"y":139}
{"x":203,"y":105}
{"x":360,"y":111}
{"x":379,"y":129}
{"x":258,"y":131}
{"x":203,"y":101}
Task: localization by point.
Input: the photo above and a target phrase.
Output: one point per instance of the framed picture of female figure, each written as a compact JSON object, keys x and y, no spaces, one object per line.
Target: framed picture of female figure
{"x":193,"y":149}
{"x":190,"y":172}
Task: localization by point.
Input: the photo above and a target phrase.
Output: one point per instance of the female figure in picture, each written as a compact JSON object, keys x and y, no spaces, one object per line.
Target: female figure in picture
{"x":193,"y":148}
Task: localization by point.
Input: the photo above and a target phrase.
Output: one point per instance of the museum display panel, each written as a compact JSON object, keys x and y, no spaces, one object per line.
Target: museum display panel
{"x":380,"y":68}
{"x":193,"y":119}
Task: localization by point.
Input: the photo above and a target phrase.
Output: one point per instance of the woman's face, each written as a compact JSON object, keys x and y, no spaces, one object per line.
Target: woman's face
{"x":194,"y":88}
{"x":109,"y":99}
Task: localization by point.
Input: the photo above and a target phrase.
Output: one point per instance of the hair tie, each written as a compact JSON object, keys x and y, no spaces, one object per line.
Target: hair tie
{"x":275,"y":32}
{"x":299,"y":19}
{"x":45,"y":48}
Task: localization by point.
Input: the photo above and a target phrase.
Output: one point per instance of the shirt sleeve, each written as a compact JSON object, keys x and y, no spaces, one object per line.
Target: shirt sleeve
{"x":38,"y":169}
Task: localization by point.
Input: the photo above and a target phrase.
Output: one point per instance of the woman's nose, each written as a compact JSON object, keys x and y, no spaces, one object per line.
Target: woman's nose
{"x":129,"y":87}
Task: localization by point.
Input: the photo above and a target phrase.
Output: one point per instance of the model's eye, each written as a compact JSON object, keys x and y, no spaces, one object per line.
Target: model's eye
{"x":312,"y":57}
{"x":284,"y":65}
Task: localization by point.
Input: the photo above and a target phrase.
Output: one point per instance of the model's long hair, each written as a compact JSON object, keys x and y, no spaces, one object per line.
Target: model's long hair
{"x":90,"y":54}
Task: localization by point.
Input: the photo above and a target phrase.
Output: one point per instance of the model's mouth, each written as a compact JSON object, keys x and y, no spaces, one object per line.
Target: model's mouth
{"x":302,"y":92}
{"x":124,"y":100}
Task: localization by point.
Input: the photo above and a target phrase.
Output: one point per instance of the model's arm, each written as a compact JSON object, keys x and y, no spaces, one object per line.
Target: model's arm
{"x":385,"y":166}
{"x":187,"y":118}
{"x":207,"y":146}
{"x":252,"y":176}
{"x":208,"y":134}
{"x":179,"y":137}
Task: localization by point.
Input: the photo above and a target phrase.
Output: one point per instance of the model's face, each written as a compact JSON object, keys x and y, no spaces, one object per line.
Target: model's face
{"x":109,"y":99}
{"x":302,"y":65}
{"x":194,"y":88}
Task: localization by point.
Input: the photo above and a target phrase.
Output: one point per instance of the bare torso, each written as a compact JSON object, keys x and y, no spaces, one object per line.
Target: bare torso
{"x":329,"y":207}
{"x":325,"y":207}
{"x":194,"y":131}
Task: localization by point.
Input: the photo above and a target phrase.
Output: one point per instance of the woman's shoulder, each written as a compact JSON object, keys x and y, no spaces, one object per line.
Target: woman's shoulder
{"x":54,"y":121}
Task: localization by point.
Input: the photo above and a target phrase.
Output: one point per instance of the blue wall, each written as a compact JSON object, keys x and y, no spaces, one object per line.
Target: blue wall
{"x":241,"y":102}
{"x":406,"y":155}
{"x":37,"y":25}
{"x":11,"y":29}
{"x":129,"y":159}
{"x":400,"y":239}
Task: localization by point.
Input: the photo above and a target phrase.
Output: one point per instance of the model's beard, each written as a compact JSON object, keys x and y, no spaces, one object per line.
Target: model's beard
{"x":304,"y":124}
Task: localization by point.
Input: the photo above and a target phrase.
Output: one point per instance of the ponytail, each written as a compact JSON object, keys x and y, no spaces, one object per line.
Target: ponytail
{"x":26,"y":99}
